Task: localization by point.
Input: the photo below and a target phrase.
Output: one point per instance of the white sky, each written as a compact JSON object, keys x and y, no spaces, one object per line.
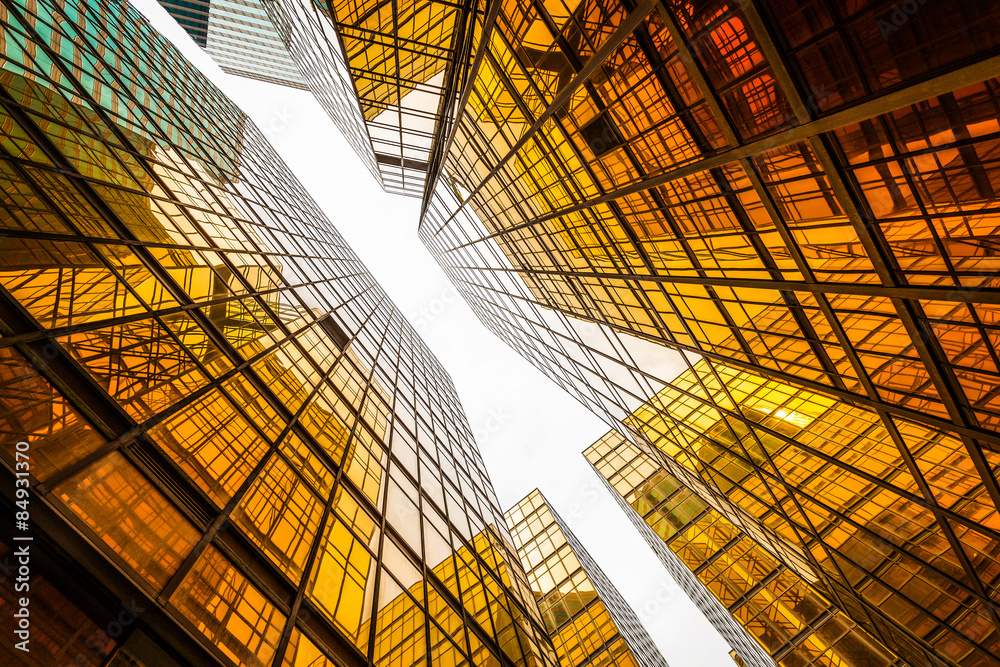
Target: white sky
{"x":530,"y":432}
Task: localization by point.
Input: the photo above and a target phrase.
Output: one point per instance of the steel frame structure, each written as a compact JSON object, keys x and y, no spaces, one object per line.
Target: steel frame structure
{"x":804,"y":237}
{"x":589,"y":621}
{"x":233,"y":429}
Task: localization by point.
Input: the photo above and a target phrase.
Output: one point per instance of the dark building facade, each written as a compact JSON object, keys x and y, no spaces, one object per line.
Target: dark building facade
{"x":239,"y":451}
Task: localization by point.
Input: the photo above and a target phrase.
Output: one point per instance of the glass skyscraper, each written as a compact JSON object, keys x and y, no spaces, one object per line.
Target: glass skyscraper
{"x":758,"y":237}
{"x":240,"y":451}
{"x":623,"y":468}
{"x":589,"y":621}
{"x":778,"y":608}
{"x":822,"y":487}
{"x":696,"y":176}
{"x":762,"y":233}
{"x":387,"y":74}
{"x":241,"y":38}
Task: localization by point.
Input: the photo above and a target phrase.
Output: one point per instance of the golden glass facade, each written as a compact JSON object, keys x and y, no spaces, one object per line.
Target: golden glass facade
{"x":675,"y":172}
{"x":235,"y":435}
{"x":388,"y":74}
{"x":802,"y":195}
{"x":589,"y":622}
{"x":789,"y":619}
{"x":842,"y":501}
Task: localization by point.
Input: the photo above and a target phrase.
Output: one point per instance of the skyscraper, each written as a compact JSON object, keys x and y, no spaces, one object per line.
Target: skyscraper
{"x":801,"y":195}
{"x":827,"y":231}
{"x":779,"y":609}
{"x":674,"y":208}
{"x":589,"y":622}
{"x":238,"y":450}
{"x":386,"y":74}
{"x":241,"y":38}
{"x":622,"y":469}
{"x":822,"y":487}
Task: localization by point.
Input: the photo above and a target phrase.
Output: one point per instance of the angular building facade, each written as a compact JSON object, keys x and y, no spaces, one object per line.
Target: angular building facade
{"x":387,"y":74}
{"x":241,"y":38}
{"x":763,"y":234}
{"x":788,"y":619}
{"x":821,"y":486}
{"x":238,"y":450}
{"x":621,"y":465}
{"x":804,"y":235}
{"x":589,"y":622}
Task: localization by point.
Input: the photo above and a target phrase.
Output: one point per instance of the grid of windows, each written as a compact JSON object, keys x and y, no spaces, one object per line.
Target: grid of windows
{"x":904,"y":544}
{"x":589,"y":622}
{"x":789,"y":619}
{"x":819,"y":253}
{"x":239,"y":35}
{"x":802,"y":194}
{"x":388,"y":74}
{"x":228,"y":418}
{"x":868,"y":510}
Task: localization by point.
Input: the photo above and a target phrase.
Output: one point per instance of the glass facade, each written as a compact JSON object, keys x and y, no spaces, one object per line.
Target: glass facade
{"x":239,"y":35}
{"x":792,"y":204}
{"x":788,"y":618}
{"x":840,"y":499}
{"x":388,"y":74}
{"x":589,"y":622}
{"x":748,"y":651}
{"x":674,"y":171}
{"x":241,"y":452}
{"x":406,"y":61}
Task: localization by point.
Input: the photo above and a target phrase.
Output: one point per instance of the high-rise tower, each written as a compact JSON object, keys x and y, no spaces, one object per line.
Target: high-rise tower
{"x":778,"y":608}
{"x":589,"y":621}
{"x":238,"y":452}
{"x":387,"y":74}
{"x":789,"y":204}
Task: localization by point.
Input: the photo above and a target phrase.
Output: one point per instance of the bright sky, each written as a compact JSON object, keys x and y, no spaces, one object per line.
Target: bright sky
{"x":530,"y":432}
